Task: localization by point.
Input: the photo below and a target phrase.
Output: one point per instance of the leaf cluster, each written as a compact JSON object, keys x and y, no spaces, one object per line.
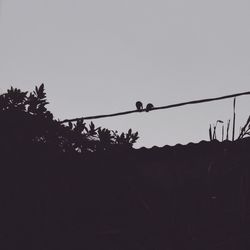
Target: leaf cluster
{"x":41,"y":127}
{"x":90,"y":138}
{"x":17,"y":100}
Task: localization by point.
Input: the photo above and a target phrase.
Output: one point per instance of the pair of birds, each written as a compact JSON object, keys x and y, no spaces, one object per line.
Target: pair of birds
{"x":139,"y":106}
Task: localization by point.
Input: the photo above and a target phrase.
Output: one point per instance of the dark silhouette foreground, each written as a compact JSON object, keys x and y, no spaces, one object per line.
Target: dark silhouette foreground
{"x":64,"y":187}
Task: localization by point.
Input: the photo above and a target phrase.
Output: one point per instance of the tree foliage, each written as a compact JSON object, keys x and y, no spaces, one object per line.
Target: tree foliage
{"x":26,"y":118}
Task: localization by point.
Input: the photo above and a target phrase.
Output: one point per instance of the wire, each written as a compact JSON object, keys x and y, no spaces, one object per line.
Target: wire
{"x":157,"y":108}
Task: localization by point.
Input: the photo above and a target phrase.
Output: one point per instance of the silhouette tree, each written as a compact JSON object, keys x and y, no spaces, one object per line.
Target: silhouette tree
{"x":26,"y":117}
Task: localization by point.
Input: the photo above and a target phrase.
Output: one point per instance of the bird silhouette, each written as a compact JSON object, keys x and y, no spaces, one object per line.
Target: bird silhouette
{"x":139,"y":106}
{"x":149,"y":107}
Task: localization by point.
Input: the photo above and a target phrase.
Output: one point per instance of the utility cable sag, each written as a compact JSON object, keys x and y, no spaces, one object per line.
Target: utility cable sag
{"x":157,"y":108}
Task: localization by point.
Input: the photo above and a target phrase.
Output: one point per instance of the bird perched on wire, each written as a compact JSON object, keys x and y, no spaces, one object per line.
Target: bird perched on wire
{"x":149,"y":107}
{"x":139,"y":106}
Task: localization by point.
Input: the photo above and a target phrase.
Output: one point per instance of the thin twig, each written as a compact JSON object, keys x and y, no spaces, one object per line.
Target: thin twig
{"x":156,"y":108}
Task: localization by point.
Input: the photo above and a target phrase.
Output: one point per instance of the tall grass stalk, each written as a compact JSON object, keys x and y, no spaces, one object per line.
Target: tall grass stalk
{"x":222,"y":137}
{"x":228,"y":126}
{"x":233,"y":118}
{"x":210,"y":133}
{"x":243,"y":132}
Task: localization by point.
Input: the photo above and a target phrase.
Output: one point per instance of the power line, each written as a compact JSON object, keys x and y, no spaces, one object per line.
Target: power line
{"x":157,"y":108}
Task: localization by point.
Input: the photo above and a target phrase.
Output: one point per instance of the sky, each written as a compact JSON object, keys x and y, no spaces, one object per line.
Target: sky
{"x":97,"y":57}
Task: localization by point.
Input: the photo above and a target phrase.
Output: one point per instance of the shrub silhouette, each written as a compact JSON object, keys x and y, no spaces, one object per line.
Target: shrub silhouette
{"x":26,"y":115}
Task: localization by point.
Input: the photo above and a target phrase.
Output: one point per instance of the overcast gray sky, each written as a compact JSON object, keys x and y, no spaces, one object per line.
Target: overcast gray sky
{"x":101,"y":56}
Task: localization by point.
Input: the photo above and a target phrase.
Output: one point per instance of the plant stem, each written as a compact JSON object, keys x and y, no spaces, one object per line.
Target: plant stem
{"x":233,"y":118}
